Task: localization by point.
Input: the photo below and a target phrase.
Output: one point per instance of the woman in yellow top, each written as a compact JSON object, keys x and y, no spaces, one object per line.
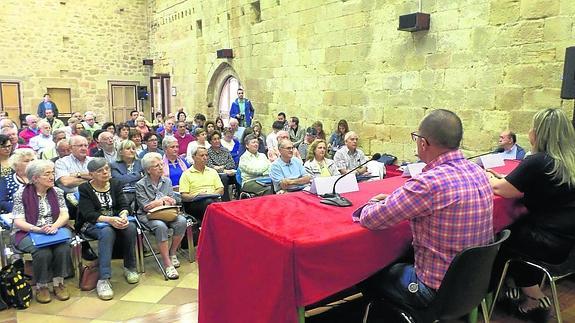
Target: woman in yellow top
{"x":316,"y":164}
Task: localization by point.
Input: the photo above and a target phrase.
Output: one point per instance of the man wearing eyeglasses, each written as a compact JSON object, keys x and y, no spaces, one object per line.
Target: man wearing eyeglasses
{"x":287,"y":172}
{"x":31,"y":129}
{"x":449,"y":206}
{"x":72,"y":170}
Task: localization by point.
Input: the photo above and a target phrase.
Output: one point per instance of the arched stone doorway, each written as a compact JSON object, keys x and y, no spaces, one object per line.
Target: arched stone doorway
{"x":222,"y":91}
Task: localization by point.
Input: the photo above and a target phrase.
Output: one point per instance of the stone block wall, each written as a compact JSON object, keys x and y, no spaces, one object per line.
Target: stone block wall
{"x":79,"y":45}
{"x":495,"y":62}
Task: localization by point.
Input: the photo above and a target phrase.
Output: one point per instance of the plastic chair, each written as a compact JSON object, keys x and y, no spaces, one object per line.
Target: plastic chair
{"x":552,"y":272}
{"x":464,"y":286}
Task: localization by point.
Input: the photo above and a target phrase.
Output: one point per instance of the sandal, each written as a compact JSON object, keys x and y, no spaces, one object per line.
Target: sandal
{"x":540,"y":313}
{"x":172,"y":273}
{"x":513,"y":293}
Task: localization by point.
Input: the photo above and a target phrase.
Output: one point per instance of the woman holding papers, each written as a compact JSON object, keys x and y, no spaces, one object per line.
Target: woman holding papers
{"x":104,"y":215}
{"x":316,"y":164}
{"x":39,"y":208}
{"x":153,"y":191}
{"x":546,"y":181}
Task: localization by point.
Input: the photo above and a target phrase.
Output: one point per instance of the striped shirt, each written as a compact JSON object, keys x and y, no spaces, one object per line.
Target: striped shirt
{"x":450,"y":208}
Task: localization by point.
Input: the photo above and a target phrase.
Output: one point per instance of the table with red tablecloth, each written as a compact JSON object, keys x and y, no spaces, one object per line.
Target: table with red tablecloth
{"x":260,"y":259}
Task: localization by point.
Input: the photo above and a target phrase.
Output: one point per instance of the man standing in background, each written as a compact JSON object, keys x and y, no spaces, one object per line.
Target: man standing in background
{"x":242,"y":109}
{"x":47,"y":104}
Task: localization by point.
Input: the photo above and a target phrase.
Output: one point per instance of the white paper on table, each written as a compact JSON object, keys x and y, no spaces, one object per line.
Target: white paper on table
{"x":322,"y":185}
{"x":413,"y":169}
{"x":492,"y":160}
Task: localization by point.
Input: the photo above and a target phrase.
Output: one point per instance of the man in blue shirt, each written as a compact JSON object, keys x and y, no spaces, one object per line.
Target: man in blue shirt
{"x":508,"y":141}
{"x":47,"y":104}
{"x":242,"y":109}
{"x":287,"y":172}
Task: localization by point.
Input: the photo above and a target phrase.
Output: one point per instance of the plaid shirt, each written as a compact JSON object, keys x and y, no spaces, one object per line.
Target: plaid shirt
{"x":450,"y":208}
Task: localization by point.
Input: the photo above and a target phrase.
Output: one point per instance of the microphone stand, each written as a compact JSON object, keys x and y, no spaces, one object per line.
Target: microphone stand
{"x":496,"y":151}
{"x":336,"y":199}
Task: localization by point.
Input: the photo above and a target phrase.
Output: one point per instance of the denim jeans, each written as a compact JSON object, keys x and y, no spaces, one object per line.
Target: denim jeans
{"x":106,"y":237}
{"x":393,"y":284}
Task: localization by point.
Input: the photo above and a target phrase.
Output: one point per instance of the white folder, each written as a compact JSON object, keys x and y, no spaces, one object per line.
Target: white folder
{"x":322,"y":185}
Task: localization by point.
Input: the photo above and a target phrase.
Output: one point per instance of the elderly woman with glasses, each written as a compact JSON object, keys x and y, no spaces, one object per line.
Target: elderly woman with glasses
{"x":152,"y":191}
{"x":104,"y":215}
{"x":39,"y":207}
{"x":152,"y":141}
{"x":5,"y":152}
{"x":316,"y":163}
{"x":127,"y":169}
{"x":174,"y":166}
{"x":17,"y":179}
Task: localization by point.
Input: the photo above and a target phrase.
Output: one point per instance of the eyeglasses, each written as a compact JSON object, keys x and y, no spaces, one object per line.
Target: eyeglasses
{"x":103,"y":170}
{"x":152,"y":140}
{"x":288,"y":148}
{"x":81,"y":145}
{"x":6,"y":147}
{"x":415,"y":135}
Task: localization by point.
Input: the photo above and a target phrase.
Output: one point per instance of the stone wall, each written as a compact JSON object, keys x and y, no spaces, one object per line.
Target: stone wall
{"x":79,"y":45}
{"x":494,"y":62}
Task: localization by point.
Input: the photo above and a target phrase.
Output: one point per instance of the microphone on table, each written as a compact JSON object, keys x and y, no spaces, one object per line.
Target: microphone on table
{"x":496,"y":151}
{"x":336,"y":199}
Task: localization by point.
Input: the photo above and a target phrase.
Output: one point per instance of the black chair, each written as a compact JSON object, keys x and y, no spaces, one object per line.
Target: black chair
{"x":463,"y":288}
{"x":552,"y":272}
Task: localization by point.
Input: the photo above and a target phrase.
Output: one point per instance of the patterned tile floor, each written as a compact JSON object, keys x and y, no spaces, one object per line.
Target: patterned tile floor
{"x":156,"y":300}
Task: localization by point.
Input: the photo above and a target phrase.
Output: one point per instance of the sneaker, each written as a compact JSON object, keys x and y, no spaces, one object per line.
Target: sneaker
{"x":172,"y":273}
{"x":175,"y":261}
{"x":104,"y":290}
{"x":43,"y":295}
{"x":132,"y":277}
{"x":61,"y":292}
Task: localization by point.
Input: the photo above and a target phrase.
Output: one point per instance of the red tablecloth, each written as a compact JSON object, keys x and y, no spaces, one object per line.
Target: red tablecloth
{"x":392,"y":171}
{"x":259,"y":259}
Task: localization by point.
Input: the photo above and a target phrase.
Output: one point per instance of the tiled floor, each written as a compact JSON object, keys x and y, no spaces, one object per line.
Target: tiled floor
{"x":152,"y":295}
{"x":156,"y":300}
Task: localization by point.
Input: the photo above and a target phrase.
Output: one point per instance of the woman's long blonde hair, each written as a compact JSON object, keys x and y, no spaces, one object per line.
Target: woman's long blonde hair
{"x":554,"y":135}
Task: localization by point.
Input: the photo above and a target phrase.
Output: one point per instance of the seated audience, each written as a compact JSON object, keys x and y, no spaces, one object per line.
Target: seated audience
{"x":109,"y":127}
{"x":349,"y":156}
{"x":254,"y":164}
{"x":152,"y":145}
{"x":257,"y":128}
{"x":219,"y":124}
{"x":198,"y":181}
{"x":281,"y":117}
{"x":13,"y":135}
{"x":63,"y":149}
{"x":337,"y":138}
{"x":39,"y":207}
{"x":168,"y":130}
{"x":316,"y":163}
{"x":103,"y":215}
{"x":546,"y":183}
{"x":201,"y":141}
{"x":94,"y":147}
{"x":89,"y":122}
{"x":127,"y":169}
{"x":57,"y":136}
{"x":132,"y":121}
{"x":450,"y":198}
{"x":287,"y":171}
{"x":508,"y":141}
{"x":318,"y":126}
{"x":220,"y":159}
{"x":231,"y":144}
{"x":156,"y":190}
{"x":158,"y":119}
{"x":142,"y":126}
{"x":54,"y":122}
{"x":272,"y":139}
{"x":122,"y":133}
{"x":107,"y":149}
{"x":11,"y":183}
{"x":210,"y":127}
{"x":296,"y":133}
{"x":5,"y":152}
{"x":43,"y":140}
{"x":136,"y":137}
{"x":174,"y":165}
{"x":184,"y":138}
{"x":181,"y":116}
{"x":71,"y":127}
{"x":236,"y":129}
{"x":310,"y":136}
{"x":31,"y":129}
{"x":199,"y":120}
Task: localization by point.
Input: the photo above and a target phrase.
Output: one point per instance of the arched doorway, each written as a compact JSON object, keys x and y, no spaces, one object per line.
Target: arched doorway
{"x":222,"y":91}
{"x":228,"y":94}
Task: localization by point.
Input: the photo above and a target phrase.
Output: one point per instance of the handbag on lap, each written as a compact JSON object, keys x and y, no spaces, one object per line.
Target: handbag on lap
{"x":166,"y":213}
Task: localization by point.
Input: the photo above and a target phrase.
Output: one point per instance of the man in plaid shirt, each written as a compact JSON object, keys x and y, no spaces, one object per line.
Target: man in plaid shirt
{"x":449,"y":207}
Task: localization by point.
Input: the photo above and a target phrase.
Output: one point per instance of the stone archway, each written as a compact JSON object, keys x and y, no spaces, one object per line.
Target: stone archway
{"x":220,"y":75}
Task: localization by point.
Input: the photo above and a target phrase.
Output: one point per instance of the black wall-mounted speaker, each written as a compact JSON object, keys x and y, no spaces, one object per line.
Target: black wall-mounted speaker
{"x":568,"y":84}
{"x":414,"y":22}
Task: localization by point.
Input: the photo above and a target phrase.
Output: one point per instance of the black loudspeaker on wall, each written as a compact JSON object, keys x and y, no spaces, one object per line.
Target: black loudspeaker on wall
{"x":142,"y":92}
{"x":568,"y":85}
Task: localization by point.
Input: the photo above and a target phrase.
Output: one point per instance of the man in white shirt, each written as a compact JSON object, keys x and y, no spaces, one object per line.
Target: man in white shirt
{"x":43,"y":141}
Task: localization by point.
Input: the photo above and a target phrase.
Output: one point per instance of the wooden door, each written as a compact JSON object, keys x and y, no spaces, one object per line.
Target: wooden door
{"x":160,"y":94}
{"x":63,"y":99}
{"x":123,"y":99}
{"x":10,"y":94}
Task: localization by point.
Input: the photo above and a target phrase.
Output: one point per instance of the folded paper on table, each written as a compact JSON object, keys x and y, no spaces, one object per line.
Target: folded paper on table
{"x":492,"y":160}
{"x":413,"y":169}
{"x":43,"y":240}
{"x":323,"y":185}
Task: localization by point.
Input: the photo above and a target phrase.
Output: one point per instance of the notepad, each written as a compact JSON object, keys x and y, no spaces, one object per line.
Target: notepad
{"x":41,"y":240}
